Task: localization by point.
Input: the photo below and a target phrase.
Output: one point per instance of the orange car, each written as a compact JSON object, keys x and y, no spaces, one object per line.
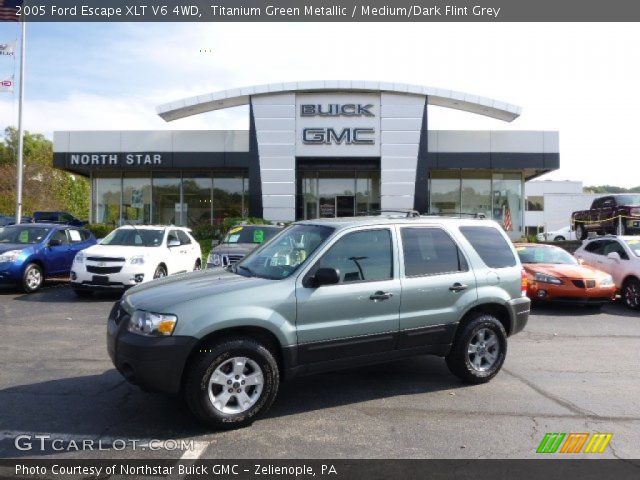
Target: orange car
{"x":555,"y":276}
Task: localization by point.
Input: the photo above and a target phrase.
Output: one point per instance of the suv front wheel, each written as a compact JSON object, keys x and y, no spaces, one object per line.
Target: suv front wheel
{"x":231,"y":382}
{"x":479,"y":350}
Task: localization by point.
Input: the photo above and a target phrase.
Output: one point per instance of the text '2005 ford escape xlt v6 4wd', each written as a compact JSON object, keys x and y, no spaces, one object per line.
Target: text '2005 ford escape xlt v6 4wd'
{"x":323,"y":295}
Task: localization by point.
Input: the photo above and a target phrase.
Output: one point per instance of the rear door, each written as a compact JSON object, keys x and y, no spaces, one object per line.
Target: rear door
{"x":360,"y":314}
{"x":437,"y":286}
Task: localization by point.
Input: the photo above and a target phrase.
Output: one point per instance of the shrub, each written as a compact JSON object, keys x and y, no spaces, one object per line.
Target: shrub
{"x":100,"y":230}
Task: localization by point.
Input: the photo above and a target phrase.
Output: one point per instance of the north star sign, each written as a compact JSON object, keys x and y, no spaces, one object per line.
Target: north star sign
{"x":116,"y":159}
{"x":328,"y":135}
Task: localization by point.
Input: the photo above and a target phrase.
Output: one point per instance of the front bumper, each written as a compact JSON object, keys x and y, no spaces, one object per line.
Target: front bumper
{"x":153,"y":363}
{"x":128,"y":276}
{"x":10,"y":272}
{"x":542,"y":292}
{"x":519,"y":309}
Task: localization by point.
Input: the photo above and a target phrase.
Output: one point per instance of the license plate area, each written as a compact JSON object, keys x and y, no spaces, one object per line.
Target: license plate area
{"x":100,"y":280}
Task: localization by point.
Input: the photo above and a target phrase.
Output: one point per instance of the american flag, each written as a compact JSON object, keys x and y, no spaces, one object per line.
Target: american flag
{"x":9,"y":9}
{"x":507,"y":223}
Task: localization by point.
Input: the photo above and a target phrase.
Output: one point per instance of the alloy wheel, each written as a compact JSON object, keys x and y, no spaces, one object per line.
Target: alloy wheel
{"x":33,"y":278}
{"x":236,"y":385}
{"x":483,"y":350}
{"x":632,"y":294}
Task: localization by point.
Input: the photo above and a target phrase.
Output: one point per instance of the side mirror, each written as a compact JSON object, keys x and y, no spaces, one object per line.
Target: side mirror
{"x":215,"y":243}
{"x":326,"y":276}
{"x":614,"y":256}
{"x":581,"y":261}
{"x":54,"y":242}
{"x":173,"y":243}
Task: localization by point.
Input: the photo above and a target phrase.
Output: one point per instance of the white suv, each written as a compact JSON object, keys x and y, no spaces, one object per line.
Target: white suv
{"x":131,"y":255}
{"x":619,"y":257}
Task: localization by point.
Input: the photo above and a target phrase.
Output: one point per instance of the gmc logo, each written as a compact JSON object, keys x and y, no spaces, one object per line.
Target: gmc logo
{"x":328,"y":136}
{"x":336,"y":110}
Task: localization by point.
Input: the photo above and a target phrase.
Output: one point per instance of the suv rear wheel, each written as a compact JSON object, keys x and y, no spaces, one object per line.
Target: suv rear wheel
{"x":479,"y":350}
{"x":232,"y":382}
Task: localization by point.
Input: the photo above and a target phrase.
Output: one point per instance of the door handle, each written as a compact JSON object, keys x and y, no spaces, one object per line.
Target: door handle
{"x":381,"y":296}
{"x":458,"y":287}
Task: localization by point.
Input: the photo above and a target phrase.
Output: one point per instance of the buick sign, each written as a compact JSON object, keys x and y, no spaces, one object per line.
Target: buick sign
{"x":336,"y":110}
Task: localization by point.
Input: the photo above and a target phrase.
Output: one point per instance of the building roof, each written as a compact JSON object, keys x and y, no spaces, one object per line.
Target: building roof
{"x":241,"y":96}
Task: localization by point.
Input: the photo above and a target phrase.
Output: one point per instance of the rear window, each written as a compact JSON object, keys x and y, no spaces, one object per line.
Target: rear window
{"x":493,"y":249}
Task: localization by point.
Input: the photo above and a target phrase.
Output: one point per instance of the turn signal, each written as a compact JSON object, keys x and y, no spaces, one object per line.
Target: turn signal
{"x":523,"y":282}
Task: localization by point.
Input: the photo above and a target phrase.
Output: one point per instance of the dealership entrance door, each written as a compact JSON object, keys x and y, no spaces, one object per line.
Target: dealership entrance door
{"x":336,"y":188}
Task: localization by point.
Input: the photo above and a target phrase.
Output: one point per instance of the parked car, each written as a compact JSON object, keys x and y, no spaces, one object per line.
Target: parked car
{"x":240,"y":241}
{"x":29,"y":253}
{"x":555,"y":276}
{"x":11,"y":220}
{"x":131,"y":255}
{"x":57,"y":217}
{"x":324,"y":295}
{"x":557,"y":235}
{"x":615,"y":214}
{"x":620,"y":257}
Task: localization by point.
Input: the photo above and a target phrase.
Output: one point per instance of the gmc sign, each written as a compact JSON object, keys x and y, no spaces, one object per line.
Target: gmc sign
{"x":328,"y":136}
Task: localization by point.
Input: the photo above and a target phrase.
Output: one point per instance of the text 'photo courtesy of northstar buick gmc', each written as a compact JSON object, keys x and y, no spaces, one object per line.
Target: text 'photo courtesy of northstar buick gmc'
{"x":323,"y":295}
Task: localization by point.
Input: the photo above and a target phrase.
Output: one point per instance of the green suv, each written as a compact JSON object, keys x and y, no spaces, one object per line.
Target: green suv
{"x":323,"y":295}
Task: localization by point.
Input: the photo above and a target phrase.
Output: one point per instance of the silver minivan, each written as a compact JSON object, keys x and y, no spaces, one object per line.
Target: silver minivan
{"x":324,"y":295}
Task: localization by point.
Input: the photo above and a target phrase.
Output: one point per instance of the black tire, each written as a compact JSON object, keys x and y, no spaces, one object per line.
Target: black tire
{"x":631,"y":293}
{"x":559,"y":238}
{"x":204,"y":365}
{"x":581,"y":232}
{"x":459,"y":360}
{"x":161,"y":271}
{"x":32,"y":278}
{"x":82,"y":293}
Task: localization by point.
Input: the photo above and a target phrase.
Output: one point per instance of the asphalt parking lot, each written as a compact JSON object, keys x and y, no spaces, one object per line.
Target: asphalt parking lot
{"x":571,"y":370}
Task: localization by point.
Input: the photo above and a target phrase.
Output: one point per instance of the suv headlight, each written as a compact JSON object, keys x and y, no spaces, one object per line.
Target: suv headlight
{"x":606,"y":281}
{"x":137,"y":260}
{"x":10,"y":256}
{"x":215,"y":259}
{"x":543,"y":278}
{"x":152,"y":324}
{"x":79,"y":258}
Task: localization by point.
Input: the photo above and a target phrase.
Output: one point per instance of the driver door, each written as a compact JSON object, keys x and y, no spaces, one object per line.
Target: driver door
{"x":175,"y":258}
{"x":360,"y":314}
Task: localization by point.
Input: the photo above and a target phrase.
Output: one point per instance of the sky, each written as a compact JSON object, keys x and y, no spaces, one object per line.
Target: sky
{"x":579,"y":79}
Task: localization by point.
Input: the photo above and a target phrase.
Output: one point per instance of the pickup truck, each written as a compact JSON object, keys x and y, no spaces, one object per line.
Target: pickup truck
{"x":617,"y":214}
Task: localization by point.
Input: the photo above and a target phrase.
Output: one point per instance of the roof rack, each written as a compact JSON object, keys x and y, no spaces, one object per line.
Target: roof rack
{"x":407,"y":212}
{"x":479,"y":215}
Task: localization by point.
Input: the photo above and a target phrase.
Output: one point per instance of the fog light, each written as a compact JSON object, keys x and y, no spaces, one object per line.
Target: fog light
{"x":542,"y":293}
{"x":74,"y":276}
{"x":139,"y":277}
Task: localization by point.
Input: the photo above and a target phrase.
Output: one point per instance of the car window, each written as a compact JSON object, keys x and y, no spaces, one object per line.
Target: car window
{"x":250,"y":234}
{"x":430,"y":251}
{"x":184,"y":238}
{"x":61,"y":236}
{"x":65,"y":217}
{"x":131,"y":237}
{"x":614,"y":246}
{"x":608,"y":202}
{"x":74,"y":235}
{"x":595,"y":247}
{"x":20,"y":234}
{"x":49,"y":216}
{"x":364,"y":256}
{"x":489,"y":243}
{"x":634,"y":245}
{"x":173,"y":236}
{"x":86,"y":234}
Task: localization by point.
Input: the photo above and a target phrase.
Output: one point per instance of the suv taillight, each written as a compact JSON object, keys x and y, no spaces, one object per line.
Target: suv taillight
{"x":524,"y":282}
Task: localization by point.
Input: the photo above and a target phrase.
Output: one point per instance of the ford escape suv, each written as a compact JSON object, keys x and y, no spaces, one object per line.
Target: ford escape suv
{"x":323,"y":295}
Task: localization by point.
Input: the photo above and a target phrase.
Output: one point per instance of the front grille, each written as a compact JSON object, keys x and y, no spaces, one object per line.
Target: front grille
{"x":583,"y":284}
{"x":231,"y":259}
{"x":578,"y":283}
{"x":106,"y":259}
{"x":102,"y":270}
{"x":591,"y":283}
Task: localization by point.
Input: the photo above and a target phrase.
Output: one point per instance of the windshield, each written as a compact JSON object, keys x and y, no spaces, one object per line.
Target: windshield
{"x":25,"y":235}
{"x":129,"y":237}
{"x":255,"y":235}
{"x":553,"y":255}
{"x":628,"y":199}
{"x":285,"y":253}
{"x":634,"y":245}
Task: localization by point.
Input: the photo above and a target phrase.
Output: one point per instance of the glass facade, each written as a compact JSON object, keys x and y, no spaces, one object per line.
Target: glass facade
{"x":188,"y":199}
{"x":329,"y":194}
{"x":497,"y":195}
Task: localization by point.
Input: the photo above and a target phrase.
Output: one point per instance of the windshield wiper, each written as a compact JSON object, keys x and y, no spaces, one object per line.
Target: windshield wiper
{"x":248,"y":270}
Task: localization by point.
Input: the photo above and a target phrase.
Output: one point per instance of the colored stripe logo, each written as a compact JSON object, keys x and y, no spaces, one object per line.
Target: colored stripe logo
{"x":574,"y":442}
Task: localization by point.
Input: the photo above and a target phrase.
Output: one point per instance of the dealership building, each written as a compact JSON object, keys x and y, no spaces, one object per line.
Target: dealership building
{"x":314,"y":149}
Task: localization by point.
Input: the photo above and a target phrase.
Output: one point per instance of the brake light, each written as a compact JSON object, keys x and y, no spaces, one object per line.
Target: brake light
{"x":524,"y":282}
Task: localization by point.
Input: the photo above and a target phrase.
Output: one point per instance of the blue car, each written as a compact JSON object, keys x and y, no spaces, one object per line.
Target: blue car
{"x":29,"y":253}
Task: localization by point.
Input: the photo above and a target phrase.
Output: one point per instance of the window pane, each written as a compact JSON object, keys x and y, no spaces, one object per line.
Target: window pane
{"x":476,"y":192}
{"x":507,"y":194}
{"x":227,"y":198}
{"x":196,"y":193}
{"x":107,"y":195}
{"x":136,"y":198}
{"x":445,"y":192}
{"x":361,"y":256}
{"x":535,"y":203}
{"x":166,"y":199}
{"x":429,"y":251}
{"x":490,"y":245}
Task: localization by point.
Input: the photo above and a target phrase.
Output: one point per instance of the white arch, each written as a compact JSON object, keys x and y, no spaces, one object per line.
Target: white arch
{"x":241,"y":96}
